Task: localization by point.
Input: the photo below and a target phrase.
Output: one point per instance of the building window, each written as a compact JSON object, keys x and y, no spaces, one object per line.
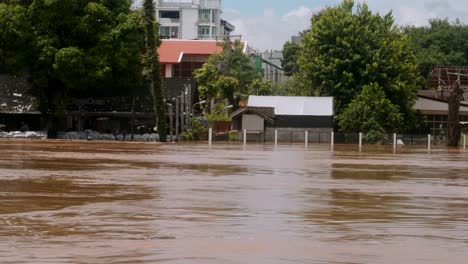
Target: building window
{"x":168,"y":32}
{"x":213,"y":31}
{"x":173,"y":15}
{"x":204,"y":15}
{"x":203,"y":32}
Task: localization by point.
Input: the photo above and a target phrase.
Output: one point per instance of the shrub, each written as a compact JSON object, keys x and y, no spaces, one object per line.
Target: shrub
{"x":186,"y":136}
{"x":233,"y":136}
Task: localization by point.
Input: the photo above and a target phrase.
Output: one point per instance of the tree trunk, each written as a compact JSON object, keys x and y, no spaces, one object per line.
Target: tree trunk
{"x":454,"y":129}
{"x":154,"y":68}
{"x":51,"y":106}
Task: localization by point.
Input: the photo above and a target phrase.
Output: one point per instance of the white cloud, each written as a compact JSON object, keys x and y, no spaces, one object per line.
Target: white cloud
{"x":271,"y":31}
{"x":406,"y":15}
{"x":231,"y":11}
{"x":420,"y":11}
{"x":301,"y":12}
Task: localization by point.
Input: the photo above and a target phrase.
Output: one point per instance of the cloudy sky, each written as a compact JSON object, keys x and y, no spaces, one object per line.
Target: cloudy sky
{"x":267,"y":24}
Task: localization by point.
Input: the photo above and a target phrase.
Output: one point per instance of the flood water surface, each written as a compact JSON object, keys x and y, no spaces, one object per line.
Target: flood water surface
{"x":115,"y":202}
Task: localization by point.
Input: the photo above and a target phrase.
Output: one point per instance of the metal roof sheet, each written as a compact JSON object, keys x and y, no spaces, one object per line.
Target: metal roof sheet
{"x":428,"y":104}
{"x":295,"y":105}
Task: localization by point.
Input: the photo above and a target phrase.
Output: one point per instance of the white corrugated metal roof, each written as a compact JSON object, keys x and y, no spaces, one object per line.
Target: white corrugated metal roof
{"x":424,"y":104}
{"x":295,"y":105}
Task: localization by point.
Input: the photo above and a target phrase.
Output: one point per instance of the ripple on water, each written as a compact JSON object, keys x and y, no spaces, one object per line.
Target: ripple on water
{"x":116,"y":202}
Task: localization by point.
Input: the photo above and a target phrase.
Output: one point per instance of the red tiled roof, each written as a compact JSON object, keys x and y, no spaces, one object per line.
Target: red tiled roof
{"x":172,"y":51}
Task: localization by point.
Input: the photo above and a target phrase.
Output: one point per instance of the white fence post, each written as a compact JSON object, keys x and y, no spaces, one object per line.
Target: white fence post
{"x":332,"y":140}
{"x":464,"y":141}
{"x":210,"y":135}
{"x":429,"y":142}
{"x":306,"y":136}
{"x":276,"y":137}
{"x":245,"y":136}
{"x":394,"y":142}
{"x":360,"y":142}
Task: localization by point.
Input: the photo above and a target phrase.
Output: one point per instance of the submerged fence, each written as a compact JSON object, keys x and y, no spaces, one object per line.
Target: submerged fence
{"x":332,"y":138}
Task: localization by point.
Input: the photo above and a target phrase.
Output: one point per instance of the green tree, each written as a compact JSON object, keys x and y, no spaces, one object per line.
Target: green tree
{"x":348,"y":48}
{"x":442,"y":43}
{"x":73,"y":47}
{"x":227,"y":86}
{"x":154,"y":68}
{"x":371,"y":112}
{"x":15,"y":34}
{"x":284,"y":88}
{"x":228,"y":75}
{"x":291,"y":53}
{"x":261,"y":87}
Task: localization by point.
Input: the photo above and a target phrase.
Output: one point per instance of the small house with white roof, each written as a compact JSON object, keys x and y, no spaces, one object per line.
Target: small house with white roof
{"x":287,"y":114}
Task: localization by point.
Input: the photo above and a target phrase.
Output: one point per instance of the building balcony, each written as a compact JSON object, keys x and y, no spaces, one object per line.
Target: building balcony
{"x":169,"y":21}
{"x":211,"y":4}
{"x":205,"y":21}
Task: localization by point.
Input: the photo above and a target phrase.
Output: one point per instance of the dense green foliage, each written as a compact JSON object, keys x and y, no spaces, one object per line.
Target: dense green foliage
{"x":291,"y":52}
{"x":198,"y":132}
{"x":77,"y":47}
{"x":440,"y":44}
{"x":443,"y":44}
{"x":69,"y":47}
{"x":349,"y":48}
{"x":229,"y":75}
{"x":261,"y":87}
{"x":15,"y":35}
{"x":219,"y":113}
{"x":372,"y":113}
{"x":153,"y":68}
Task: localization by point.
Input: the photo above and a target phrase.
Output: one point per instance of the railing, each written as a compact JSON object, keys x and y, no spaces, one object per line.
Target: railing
{"x":331,"y":138}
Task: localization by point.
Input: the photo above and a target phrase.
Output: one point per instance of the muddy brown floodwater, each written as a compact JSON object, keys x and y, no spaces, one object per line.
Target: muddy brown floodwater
{"x":114,"y":202}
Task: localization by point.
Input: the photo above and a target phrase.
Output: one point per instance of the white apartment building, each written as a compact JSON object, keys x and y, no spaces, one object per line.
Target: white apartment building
{"x":191,"y":19}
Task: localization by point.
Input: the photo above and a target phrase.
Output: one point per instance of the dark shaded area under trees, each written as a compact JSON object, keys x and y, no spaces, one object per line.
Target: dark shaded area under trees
{"x":73,"y":48}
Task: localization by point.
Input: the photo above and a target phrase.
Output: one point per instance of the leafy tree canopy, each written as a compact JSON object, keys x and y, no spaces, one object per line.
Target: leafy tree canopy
{"x":371,"y":112}
{"x":230,"y":75}
{"x":290,"y":55}
{"x":73,"y":47}
{"x":348,"y":48}
{"x":442,"y":43}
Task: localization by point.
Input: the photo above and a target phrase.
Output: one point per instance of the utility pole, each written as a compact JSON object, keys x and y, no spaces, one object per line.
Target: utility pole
{"x":132,"y":123}
{"x":171,"y":120}
{"x":177,"y":102}
{"x":188,"y":105}
{"x":182,"y":114}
